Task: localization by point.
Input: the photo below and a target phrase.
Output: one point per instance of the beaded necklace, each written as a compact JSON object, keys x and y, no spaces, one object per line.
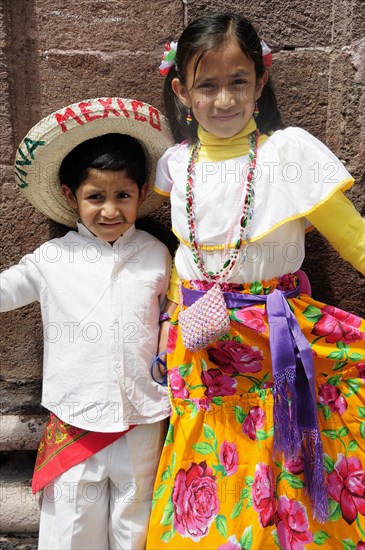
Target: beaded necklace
{"x":245,"y":221}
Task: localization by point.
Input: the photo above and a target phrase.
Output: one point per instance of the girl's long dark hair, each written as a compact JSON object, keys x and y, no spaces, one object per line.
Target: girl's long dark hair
{"x":201,"y":36}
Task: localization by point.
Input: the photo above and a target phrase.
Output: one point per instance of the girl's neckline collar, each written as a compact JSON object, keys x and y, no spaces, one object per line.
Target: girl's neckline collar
{"x":206,"y":139}
{"x":215,"y":149}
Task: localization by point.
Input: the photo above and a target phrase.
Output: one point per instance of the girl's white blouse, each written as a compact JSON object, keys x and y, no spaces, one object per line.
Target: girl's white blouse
{"x":295,"y":174}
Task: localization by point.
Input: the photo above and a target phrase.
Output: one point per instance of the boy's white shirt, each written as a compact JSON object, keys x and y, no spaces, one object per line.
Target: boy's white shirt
{"x":100,"y":307}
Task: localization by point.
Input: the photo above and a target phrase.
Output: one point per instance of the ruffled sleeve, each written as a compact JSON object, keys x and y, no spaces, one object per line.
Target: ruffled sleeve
{"x":164,"y":181}
{"x":307,"y":161}
{"x":296,"y":174}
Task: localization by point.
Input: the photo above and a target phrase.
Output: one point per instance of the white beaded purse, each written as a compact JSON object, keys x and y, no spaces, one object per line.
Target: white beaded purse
{"x":205,"y":321}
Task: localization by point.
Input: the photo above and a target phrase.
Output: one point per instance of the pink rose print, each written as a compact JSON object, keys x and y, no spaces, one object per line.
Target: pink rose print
{"x":343,"y":316}
{"x":346,"y":485}
{"x":177,"y":384}
{"x":286,"y":282}
{"x":331,"y":396}
{"x":231,"y":544}
{"x":205,"y":285}
{"x":263,"y":498}
{"x":360,"y":545}
{"x":253,"y":422}
{"x":338,"y":326}
{"x":292,"y":524}
{"x":229,"y":457}
{"x":252,"y":317}
{"x":231,"y":357}
{"x":171,"y":341}
{"x":195,"y":500}
{"x":218,"y":384}
{"x":361,"y":368}
{"x":295,"y":465}
{"x":201,"y":285}
{"x":201,"y":403}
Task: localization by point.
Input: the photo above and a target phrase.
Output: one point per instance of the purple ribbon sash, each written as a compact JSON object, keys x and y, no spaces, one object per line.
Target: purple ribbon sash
{"x":296,"y":430}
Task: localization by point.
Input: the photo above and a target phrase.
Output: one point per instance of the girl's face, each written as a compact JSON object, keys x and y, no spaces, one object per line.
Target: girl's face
{"x":222,"y":96}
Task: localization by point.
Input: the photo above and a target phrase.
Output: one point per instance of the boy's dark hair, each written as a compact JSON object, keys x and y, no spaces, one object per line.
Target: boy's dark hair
{"x":201,"y":36}
{"x":117,"y":152}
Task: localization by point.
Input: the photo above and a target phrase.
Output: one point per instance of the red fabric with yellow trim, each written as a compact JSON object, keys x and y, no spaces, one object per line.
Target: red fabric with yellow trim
{"x":63,"y":446}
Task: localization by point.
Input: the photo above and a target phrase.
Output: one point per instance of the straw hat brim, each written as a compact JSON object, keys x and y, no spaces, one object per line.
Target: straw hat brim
{"x":40,"y":154}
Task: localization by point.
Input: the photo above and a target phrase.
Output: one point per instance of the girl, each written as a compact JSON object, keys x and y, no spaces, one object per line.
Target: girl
{"x":267,"y":427}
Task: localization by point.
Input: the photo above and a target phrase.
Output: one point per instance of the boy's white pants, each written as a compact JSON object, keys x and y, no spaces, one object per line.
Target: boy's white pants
{"x":105,"y":501}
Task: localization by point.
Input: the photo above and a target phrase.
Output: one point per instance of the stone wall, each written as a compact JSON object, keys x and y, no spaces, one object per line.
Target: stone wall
{"x":56,"y":52}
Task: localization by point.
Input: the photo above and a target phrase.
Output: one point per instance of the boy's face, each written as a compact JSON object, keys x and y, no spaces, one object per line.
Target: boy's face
{"x":107,"y":202}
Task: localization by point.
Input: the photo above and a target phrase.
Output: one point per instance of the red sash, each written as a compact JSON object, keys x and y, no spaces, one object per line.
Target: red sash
{"x":63,"y":446}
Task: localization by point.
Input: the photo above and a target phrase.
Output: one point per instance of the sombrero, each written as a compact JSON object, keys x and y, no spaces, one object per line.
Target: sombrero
{"x":41,"y":152}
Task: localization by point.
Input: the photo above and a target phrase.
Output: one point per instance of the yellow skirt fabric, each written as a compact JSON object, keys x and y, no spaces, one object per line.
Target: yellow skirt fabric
{"x":220,"y":485}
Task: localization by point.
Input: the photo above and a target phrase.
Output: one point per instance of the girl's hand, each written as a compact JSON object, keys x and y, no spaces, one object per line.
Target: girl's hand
{"x":164,"y":327}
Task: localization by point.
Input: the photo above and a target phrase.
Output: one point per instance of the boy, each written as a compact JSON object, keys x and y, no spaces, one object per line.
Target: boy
{"x":101,"y":288}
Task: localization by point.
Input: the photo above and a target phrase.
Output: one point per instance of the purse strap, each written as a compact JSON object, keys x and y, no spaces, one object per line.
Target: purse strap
{"x":181,"y":296}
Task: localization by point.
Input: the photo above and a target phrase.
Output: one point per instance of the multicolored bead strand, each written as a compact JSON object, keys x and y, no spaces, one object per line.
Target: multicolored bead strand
{"x":245,"y":222}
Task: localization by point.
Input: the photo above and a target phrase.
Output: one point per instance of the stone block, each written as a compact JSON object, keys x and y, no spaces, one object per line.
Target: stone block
{"x":22,"y":344}
{"x":333,"y":280}
{"x":6,"y":130}
{"x":357,"y":24}
{"x":345,"y":132}
{"x":348,"y":21}
{"x":301,"y":85}
{"x":20,"y":509}
{"x":19,"y":541}
{"x":113,"y":51}
{"x":19,"y":48}
{"x":21,"y":336}
{"x":104,"y":26}
{"x":21,"y":432}
{"x":20,"y":397}
{"x":23,"y":228}
{"x":64,"y":78}
{"x":2,"y":26}
{"x":298,"y":24}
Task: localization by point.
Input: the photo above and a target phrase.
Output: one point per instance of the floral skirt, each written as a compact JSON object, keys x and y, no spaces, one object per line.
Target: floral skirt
{"x":220,"y":485}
